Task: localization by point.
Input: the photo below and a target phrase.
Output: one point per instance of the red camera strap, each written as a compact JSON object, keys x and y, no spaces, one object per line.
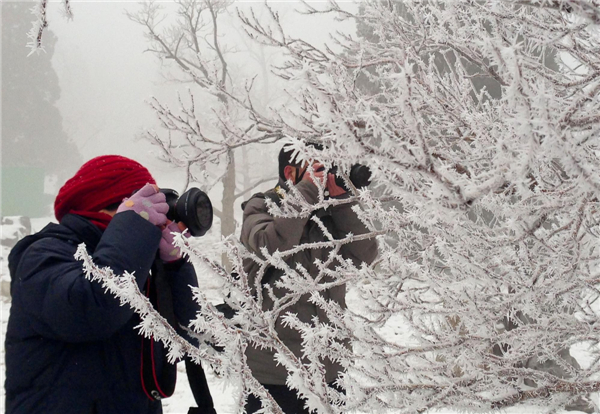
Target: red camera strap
{"x":158,"y":385}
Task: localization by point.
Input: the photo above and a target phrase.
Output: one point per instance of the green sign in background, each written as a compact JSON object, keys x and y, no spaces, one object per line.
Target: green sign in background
{"x":23,"y":192}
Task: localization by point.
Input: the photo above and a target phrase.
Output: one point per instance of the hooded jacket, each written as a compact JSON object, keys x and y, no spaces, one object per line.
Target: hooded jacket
{"x":260,"y":229}
{"x":71,"y":347}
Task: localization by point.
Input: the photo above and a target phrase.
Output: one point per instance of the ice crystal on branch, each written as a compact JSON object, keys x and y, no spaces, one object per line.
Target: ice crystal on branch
{"x":40,"y":24}
{"x":152,"y":324}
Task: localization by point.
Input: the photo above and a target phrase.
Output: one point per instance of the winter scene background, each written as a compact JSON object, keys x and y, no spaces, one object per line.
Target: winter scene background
{"x":479,"y":121}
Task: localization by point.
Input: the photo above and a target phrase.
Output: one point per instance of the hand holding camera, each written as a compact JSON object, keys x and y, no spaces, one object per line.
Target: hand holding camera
{"x":334,"y":189}
{"x":317,"y":174}
{"x":173,"y":214}
{"x":167,"y":250}
{"x":158,"y":205}
{"x":149,"y":203}
{"x":359,"y":175}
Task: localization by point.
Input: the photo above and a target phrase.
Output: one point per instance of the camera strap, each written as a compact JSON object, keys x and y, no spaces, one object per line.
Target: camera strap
{"x":158,"y":385}
{"x":300,"y":176}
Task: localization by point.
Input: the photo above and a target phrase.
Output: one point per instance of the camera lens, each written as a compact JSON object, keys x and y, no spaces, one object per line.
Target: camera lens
{"x":204,"y":212}
{"x":171,"y":198}
{"x":194,"y":209}
{"x":360,"y":175}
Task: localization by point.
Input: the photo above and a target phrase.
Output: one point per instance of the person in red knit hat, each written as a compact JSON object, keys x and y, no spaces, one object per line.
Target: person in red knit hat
{"x":99,"y":187}
{"x":70,"y":346}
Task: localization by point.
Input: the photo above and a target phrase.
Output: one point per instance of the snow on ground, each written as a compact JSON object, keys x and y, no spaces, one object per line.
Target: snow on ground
{"x":182,"y":399}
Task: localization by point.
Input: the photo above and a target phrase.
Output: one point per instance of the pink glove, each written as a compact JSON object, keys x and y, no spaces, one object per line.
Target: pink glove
{"x":148,"y":203}
{"x":166,"y":249}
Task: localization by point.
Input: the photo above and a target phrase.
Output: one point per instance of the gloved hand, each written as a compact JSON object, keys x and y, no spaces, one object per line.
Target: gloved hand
{"x":334,"y":189}
{"x":148,"y":203}
{"x":166,"y":249}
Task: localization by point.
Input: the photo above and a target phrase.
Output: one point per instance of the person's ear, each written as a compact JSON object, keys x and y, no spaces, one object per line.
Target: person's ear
{"x":289,"y":173}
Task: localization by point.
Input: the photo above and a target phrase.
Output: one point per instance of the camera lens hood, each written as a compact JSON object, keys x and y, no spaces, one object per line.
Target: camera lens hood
{"x":195,"y":210}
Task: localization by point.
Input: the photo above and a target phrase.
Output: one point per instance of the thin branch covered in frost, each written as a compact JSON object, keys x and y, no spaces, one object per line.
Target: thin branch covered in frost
{"x":38,"y":26}
{"x":249,"y":325}
{"x":219,"y":113}
{"x":152,"y":324}
{"x":40,"y":23}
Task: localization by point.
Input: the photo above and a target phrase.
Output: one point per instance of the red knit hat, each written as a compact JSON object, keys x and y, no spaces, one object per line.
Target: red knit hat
{"x":99,"y":183}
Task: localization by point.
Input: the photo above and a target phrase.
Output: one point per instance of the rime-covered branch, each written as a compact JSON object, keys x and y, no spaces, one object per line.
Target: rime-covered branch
{"x":39,"y":11}
{"x":152,"y":324}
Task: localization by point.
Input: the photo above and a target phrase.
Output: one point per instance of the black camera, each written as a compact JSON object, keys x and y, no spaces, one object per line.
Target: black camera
{"x":360,"y":176}
{"x":193,"y":208}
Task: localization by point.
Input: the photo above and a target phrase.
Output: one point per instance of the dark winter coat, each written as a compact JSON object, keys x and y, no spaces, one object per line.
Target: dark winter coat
{"x":70,"y":346}
{"x":260,"y":229}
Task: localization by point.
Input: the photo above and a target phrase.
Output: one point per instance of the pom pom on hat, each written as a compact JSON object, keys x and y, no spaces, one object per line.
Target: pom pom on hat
{"x":100,"y":182}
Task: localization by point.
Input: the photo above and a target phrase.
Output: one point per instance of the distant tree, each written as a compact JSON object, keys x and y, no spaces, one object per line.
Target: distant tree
{"x":216,"y":116}
{"x":39,"y":23}
{"x":32,"y":131}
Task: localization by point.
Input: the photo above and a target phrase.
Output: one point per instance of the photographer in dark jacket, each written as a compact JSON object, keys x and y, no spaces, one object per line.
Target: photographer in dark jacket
{"x":261,"y":230}
{"x":71,"y":347}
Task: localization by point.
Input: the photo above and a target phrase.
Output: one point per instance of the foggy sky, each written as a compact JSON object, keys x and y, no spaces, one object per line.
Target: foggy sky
{"x":106,"y":77}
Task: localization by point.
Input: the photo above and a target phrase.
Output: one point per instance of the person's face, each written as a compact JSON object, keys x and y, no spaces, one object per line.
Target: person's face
{"x":300,"y":173}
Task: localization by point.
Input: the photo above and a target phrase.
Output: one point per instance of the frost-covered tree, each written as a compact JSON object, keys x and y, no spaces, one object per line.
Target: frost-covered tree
{"x":38,"y":10}
{"x":217,"y":115}
{"x":486,"y":209}
{"x":34,"y":144}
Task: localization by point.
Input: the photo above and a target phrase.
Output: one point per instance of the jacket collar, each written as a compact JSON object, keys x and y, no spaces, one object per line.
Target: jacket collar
{"x":72,"y":228}
{"x":84,"y":229}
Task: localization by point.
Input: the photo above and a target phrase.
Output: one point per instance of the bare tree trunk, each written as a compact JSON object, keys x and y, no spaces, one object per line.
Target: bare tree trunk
{"x":228,"y":204}
{"x":246,"y":169}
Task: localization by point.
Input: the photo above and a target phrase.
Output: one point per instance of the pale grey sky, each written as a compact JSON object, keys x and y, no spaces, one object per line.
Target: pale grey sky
{"x":105,"y":76}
